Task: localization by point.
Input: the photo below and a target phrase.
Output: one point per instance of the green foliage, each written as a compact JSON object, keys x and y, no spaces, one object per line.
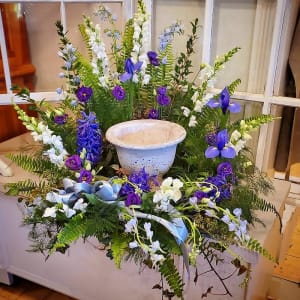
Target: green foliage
{"x":119,"y":246}
{"x":27,"y":187}
{"x":39,"y":165}
{"x":72,"y":231}
{"x":255,"y":245}
{"x":172,"y":276}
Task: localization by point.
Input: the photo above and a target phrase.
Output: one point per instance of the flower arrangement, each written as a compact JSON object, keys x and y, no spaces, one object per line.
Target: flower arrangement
{"x":201,"y":206}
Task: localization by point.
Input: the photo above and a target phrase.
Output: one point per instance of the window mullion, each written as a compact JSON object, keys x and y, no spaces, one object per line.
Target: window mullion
{"x":207,"y":31}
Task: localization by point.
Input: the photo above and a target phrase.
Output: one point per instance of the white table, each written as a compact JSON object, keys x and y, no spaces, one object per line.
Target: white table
{"x":85,"y":272}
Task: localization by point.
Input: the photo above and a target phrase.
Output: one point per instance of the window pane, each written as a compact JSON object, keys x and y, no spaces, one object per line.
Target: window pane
{"x":167,"y":12}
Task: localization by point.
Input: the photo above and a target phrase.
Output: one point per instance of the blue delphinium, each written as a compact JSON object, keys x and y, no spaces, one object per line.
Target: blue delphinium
{"x":89,"y":137}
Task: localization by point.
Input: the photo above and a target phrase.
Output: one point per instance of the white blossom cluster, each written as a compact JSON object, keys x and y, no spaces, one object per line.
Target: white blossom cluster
{"x":153,"y":249}
{"x":53,"y":197}
{"x":206,"y":75}
{"x":169,"y":190}
{"x":43,"y":134}
{"x":100,"y":61}
{"x":240,"y":137}
{"x":140,"y":42}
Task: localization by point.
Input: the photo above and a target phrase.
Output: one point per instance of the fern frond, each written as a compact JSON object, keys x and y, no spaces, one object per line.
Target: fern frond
{"x":26,"y":187}
{"x":169,"y":271}
{"x":254,"y":245}
{"x":119,"y":245}
{"x":72,"y":231}
{"x":128,"y":38}
{"x":39,"y":165}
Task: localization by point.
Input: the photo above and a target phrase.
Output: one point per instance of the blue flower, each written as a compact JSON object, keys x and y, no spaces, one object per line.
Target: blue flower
{"x":130,"y":69}
{"x":220,"y":148}
{"x":89,"y":137}
{"x":224,"y":103}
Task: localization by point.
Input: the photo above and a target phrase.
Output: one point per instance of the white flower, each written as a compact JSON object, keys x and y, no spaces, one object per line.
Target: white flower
{"x":235,"y":136}
{"x":80,"y":205}
{"x":157,"y":258}
{"x":155,"y":246}
{"x":237,"y":212}
{"x":186,"y":111}
{"x":195,"y":96}
{"x":193,"y":200}
{"x":146,"y":79}
{"x":149,"y":232}
{"x":133,"y":244}
{"x":69,"y":212}
{"x":193,"y":122}
{"x":50,"y":212}
{"x":130,"y":225}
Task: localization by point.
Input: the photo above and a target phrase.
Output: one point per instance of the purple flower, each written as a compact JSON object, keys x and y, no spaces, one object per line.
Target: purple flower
{"x":119,"y":93}
{"x":141,"y":179}
{"x":73,"y":162}
{"x":162,"y":97}
{"x":61,"y":119}
{"x":224,"y":168}
{"x":200,"y":195}
{"x":211,"y":138}
{"x":162,"y":90}
{"x":153,"y":114}
{"x":84,"y":93}
{"x":130,"y":69}
{"x":85,"y":176}
{"x":152,"y":55}
{"x":220,"y":148}
{"x":133,"y":199}
{"x":89,"y":137}
{"x":224,"y":103}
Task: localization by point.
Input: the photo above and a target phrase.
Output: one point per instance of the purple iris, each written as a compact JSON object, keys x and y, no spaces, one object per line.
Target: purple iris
{"x":220,"y":148}
{"x":73,"y":162}
{"x":133,"y":199}
{"x":84,"y":93}
{"x":119,"y":93}
{"x":224,"y":168}
{"x":85,"y":176}
{"x":89,"y":137}
{"x":130,"y":69}
{"x":224,"y":103}
{"x":162,"y":97}
{"x":60,"y":119}
{"x":152,"y":55}
{"x":153,"y":114}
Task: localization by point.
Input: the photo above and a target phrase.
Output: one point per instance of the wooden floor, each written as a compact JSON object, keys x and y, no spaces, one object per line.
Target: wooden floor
{"x":25,"y":290}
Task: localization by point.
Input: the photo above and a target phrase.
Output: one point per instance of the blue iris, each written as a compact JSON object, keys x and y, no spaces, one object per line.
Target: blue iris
{"x":224,"y":103}
{"x":220,"y":148}
{"x":130,"y":69}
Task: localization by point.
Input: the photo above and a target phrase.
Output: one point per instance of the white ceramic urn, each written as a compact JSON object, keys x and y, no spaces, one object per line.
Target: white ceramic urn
{"x":146,"y":143}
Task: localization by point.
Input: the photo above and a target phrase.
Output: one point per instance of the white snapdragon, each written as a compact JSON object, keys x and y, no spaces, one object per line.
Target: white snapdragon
{"x":99,"y":56}
{"x":193,"y":122}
